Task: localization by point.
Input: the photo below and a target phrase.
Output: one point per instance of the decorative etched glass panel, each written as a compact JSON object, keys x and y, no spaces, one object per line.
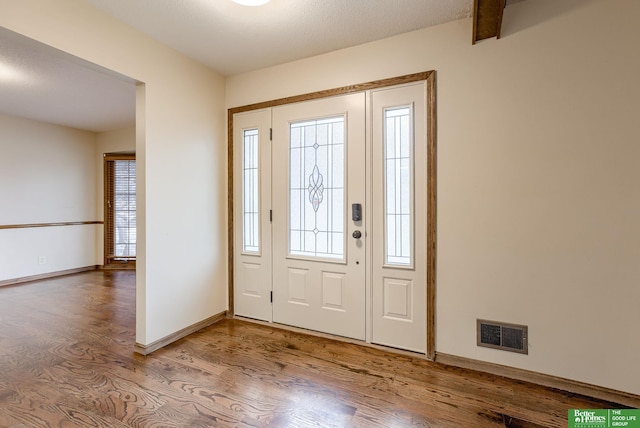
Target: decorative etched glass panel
{"x":250,"y":192}
{"x":398,"y":193}
{"x":316,"y":188}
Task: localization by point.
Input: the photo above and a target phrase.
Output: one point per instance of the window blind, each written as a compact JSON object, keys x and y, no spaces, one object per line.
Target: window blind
{"x":120,"y":208}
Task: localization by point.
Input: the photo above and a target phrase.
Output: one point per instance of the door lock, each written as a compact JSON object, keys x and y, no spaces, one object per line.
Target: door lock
{"x":356,"y":234}
{"x":356,"y":212}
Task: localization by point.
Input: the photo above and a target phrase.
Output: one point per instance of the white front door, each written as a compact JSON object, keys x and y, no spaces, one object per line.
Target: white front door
{"x":331,"y":215}
{"x":318,"y":177}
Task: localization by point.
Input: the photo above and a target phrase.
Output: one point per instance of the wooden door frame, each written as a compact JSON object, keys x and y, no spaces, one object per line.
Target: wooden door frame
{"x":108,"y":221}
{"x":429,"y":78}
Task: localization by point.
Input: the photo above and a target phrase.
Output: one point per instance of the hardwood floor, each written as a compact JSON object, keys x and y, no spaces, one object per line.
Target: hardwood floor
{"x":66,"y":360}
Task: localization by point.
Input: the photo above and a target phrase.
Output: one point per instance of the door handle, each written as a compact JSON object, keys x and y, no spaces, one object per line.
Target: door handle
{"x":356,"y":234}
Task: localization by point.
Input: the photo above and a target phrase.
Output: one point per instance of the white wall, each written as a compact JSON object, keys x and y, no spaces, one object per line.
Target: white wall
{"x":538,"y":172}
{"x":116,"y":141}
{"x":181,"y":159}
{"x":47,"y":175}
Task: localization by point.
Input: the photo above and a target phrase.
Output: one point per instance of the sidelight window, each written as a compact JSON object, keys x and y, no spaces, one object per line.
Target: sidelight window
{"x":398,"y":189}
{"x":250,"y":192}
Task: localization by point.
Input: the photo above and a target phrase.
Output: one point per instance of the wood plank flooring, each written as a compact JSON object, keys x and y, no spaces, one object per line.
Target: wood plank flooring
{"x":66,"y":360}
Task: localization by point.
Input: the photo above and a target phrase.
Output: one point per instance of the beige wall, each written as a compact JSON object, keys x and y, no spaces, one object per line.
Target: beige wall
{"x":181,"y":159}
{"x":119,"y":140}
{"x":47,"y":175}
{"x":538,"y":172}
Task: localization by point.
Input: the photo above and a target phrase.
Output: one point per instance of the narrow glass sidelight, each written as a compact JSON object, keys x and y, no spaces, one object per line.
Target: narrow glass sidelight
{"x":317,"y":188}
{"x":398,"y":185}
{"x":250,"y":191}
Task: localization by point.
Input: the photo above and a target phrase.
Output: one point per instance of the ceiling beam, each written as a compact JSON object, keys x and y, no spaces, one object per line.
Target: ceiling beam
{"x":487,"y":19}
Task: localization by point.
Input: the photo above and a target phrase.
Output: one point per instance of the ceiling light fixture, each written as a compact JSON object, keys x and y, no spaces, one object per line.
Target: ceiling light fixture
{"x":251,"y":2}
{"x":9,"y":74}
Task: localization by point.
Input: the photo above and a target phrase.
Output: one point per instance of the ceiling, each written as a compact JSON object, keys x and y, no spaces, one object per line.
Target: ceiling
{"x":233,"y":39}
{"x":41,"y":83}
{"x":58,"y":88}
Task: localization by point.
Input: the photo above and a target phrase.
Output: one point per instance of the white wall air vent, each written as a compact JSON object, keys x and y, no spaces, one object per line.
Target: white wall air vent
{"x":504,"y":336}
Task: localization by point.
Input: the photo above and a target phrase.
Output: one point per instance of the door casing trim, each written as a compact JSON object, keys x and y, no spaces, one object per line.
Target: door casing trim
{"x":429,"y":78}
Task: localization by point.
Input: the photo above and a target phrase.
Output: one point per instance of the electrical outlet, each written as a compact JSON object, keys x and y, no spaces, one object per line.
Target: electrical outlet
{"x":42,"y":260}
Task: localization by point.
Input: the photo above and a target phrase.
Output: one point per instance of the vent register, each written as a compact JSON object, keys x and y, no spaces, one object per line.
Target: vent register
{"x":504,"y":336}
